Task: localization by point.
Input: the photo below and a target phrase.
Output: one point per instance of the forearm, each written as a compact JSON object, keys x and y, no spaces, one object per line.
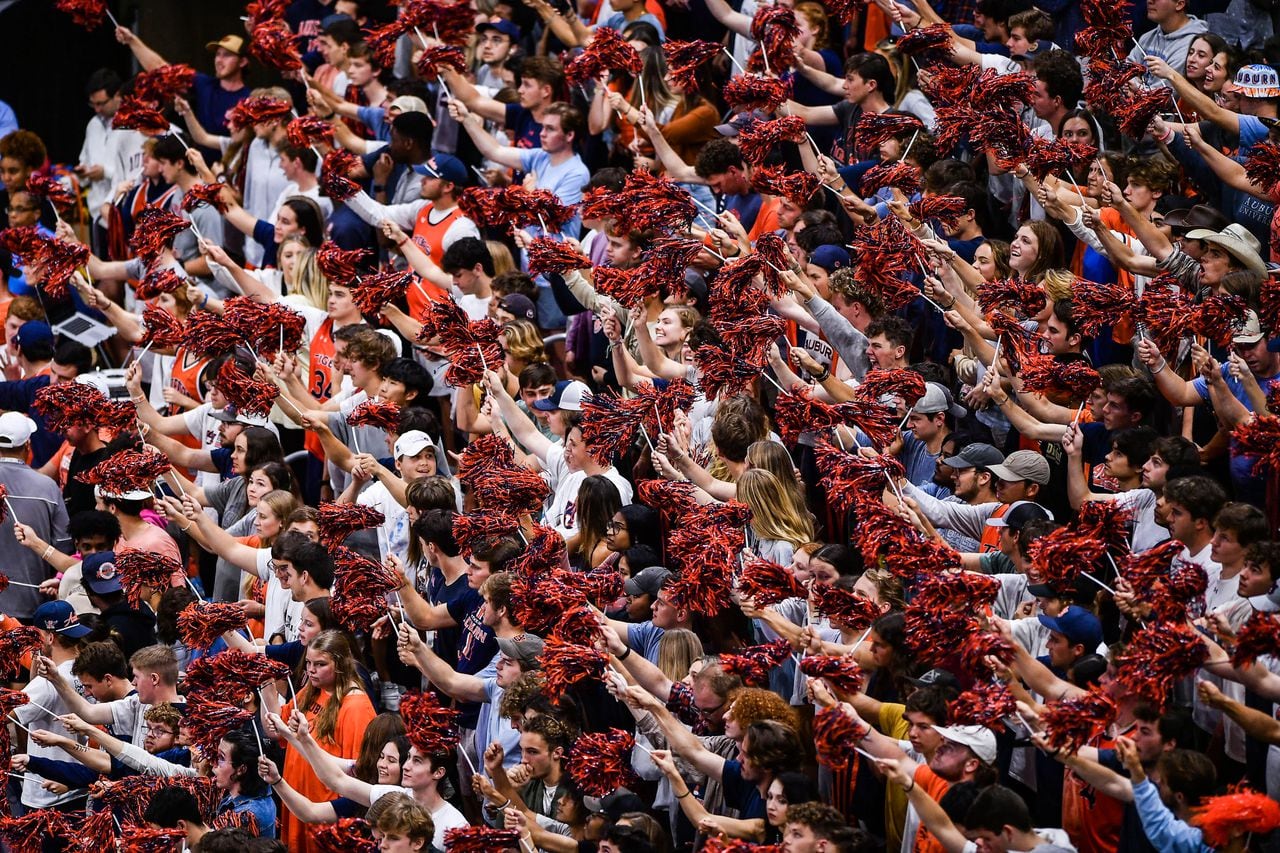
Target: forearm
{"x":144,"y":762}
{"x":819,"y":77}
{"x":305,"y":810}
{"x":464,"y":688}
{"x":677,"y":169}
{"x":332,"y":773}
{"x":1229,"y":410}
{"x":935,"y":820}
{"x":1106,"y":781}
{"x":147,"y":58}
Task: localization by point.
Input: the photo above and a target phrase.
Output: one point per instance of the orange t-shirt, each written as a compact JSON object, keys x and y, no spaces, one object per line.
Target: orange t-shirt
{"x":1092,"y":819}
{"x":935,"y":786}
{"x":354,"y":716}
{"x":320,"y":376}
{"x":766,"y":219}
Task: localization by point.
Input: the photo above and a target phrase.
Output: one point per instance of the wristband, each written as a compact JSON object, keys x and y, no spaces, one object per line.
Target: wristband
{"x":402,"y":242}
{"x":823,"y":376}
{"x":204,"y":301}
{"x":1163,"y":364}
{"x":626,"y":654}
{"x":682,"y":796}
{"x":379,"y":188}
{"x":47,"y":552}
{"x":913,"y":785}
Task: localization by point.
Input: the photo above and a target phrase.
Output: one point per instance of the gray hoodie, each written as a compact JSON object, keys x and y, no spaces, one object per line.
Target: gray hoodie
{"x":1171,"y":47}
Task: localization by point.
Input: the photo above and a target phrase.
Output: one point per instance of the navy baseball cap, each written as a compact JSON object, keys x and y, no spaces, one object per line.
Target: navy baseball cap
{"x":1078,"y":625}
{"x":60,"y":618}
{"x":830,"y":258}
{"x":100,"y":573}
{"x":33,"y":332}
{"x":446,"y":167}
{"x":568,"y":396}
{"x":503,"y":26}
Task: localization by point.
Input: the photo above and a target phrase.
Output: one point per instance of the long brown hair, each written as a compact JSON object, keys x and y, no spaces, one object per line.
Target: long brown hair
{"x":345,"y":681}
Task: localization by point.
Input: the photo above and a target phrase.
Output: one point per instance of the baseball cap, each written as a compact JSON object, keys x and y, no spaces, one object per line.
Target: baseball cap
{"x":1196,"y":217}
{"x":646,"y":582}
{"x":412,"y":443}
{"x":502,"y":25}
{"x":740,"y":122}
{"x":522,"y":647}
{"x":1268,"y":602}
{"x":830,"y":258}
{"x":1019,"y":513}
{"x":33,"y":332}
{"x":446,"y":167}
{"x":60,"y":618}
{"x":100,"y":574}
{"x":936,"y":678}
{"x":1078,"y":625}
{"x":1044,"y":590}
{"x":976,"y":455}
{"x":230,"y":43}
{"x":519,"y":306}
{"x":1023,"y":465}
{"x":1237,"y":241}
{"x":1250,"y":332}
{"x":1255,"y":81}
{"x":937,"y":398}
{"x":568,"y":396}
{"x":1039,"y":48}
{"x":615,"y":805}
{"x":232,"y":415}
{"x":15,"y":429}
{"x":408,"y":104}
{"x":978,"y":738}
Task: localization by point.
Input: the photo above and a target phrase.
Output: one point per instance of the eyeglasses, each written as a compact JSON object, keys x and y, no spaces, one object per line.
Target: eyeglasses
{"x":614,"y":527}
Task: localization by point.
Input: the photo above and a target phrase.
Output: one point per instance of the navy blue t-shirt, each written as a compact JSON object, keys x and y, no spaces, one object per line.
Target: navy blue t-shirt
{"x":524,"y":130}
{"x":447,"y":639}
{"x":476,"y":647}
{"x":740,"y":793}
{"x":211,"y":103}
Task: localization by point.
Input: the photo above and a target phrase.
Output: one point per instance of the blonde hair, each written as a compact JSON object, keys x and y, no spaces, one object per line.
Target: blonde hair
{"x":1057,"y":284}
{"x":282,"y":504}
{"x":524,"y":342}
{"x":345,"y":681}
{"x":888,"y":587}
{"x":772,"y":514}
{"x":164,"y":713}
{"x":773,"y":457}
{"x":309,"y":282}
{"x":677,"y":650}
{"x":501,"y":255}
{"x":816,"y":15}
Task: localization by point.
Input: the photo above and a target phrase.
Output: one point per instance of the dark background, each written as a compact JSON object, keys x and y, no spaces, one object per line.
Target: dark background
{"x":47,"y":58}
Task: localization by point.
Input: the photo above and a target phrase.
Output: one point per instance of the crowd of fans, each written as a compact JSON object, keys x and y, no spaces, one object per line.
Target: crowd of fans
{"x":625,"y":426}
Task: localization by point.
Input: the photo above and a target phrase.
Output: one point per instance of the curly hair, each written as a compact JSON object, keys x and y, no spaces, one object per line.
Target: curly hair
{"x":524,"y":342}
{"x":844,"y":281}
{"x":753,"y":704}
{"x":164,"y":713}
{"x":517,"y":698}
{"x":25,"y":147}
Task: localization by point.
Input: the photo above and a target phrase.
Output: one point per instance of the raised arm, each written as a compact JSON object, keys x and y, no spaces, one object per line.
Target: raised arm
{"x":680,"y":739}
{"x":489,"y":147}
{"x":305,"y":810}
{"x":99,"y":714}
{"x":1173,"y":387}
{"x":677,"y":169}
{"x":415,"y":653}
{"x":329,"y":769}
{"x":522,"y":429}
{"x":472,"y":98}
{"x":147,"y":58}
{"x":1193,"y":97}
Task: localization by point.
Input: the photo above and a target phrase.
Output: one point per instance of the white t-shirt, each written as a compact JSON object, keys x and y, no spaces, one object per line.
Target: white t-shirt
{"x":283,"y":614}
{"x":561,"y":511}
{"x":393,"y":533}
{"x":202,"y":425}
{"x":1146,"y":533}
{"x":42,"y":692}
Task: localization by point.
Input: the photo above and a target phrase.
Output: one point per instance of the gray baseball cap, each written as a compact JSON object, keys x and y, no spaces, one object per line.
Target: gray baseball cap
{"x":976,"y":455}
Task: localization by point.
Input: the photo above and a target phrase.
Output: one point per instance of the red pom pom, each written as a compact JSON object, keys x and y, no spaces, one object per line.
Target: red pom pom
{"x":550,"y":255}
{"x":231,"y":674}
{"x":775,"y":30}
{"x":154,"y":230}
{"x":1075,"y":380}
{"x":84,"y":13}
{"x":451,"y":23}
{"x":748,"y":92}
{"x":1094,"y":305}
{"x":767,"y":583}
{"x":797,"y":187}
{"x":338,"y":521}
{"x":305,"y":131}
{"x":600,"y":762}
{"x":164,"y":83}
{"x":51,"y":189}
{"x":841,"y":672}
{"x":1071,"y":723}
{"x":1259,"y":636}
{"x":272,"y":44}
{"x":1136,"y":113}
{"x":874,"y":129}
{"x":199,"y":194}
{"x":247,"y":394}
{"x":753,"y":663}
{"x":334,"y":180}
{"x":371,"y":292}
{"x":201,"y":623}
{"x":836,"y":738}
{"x":376,"y":413}
{"x":1239,"y":812}
{"x":440,"y":55}
{"x":347,"y":835}
{"x":758,"y":139}
{"x":933,"y":39}
{"x":607,"y":51}
{"x":1219,"y":317}
{"x":851,"y":609}
{"x":158,"y":281}
{"x":684,"y":58}
{"x":340,"y":265}
{"x":258,"y":110}
{"x":565,"y":664}
{"x":127,"y":471}
{"x":1157,"y":657}
{"x":139,"y":115}
{"x":1025,"y":297}
{"x":986,"y":703}
{"x":141,"y":571}
{"x":28,"y":833}
{"x":988,"y":644}
{"x":212,"y":720}
{"x":428,"y":725}
{"x":480,"y":839}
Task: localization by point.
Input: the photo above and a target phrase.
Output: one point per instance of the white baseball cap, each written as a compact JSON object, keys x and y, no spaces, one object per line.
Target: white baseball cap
{"x":15,"y":429}
{"x":412,"y":443}
{"x":978,"y":738}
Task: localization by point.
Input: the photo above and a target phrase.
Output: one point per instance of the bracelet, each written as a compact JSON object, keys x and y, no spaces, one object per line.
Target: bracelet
{"x":185,"y":529}
{"x":1163,"y":364}
{"x":504,"y":805}
{"x":402,"y":242}
{"x":379,"y":188}
{"x":1001,"y":402}
{"x":823,"y":376}
{"x":682,"y":796}
{"x":138,"y":399}
{"x":47,"y":552}
{"x":913,"y":786}
{"x":204,"y":301}
{"x":625,"y":654}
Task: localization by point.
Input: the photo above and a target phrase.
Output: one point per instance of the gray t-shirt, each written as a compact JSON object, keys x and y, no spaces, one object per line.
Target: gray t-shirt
{"x":228,"y":498}
{"x":36,"y":501}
